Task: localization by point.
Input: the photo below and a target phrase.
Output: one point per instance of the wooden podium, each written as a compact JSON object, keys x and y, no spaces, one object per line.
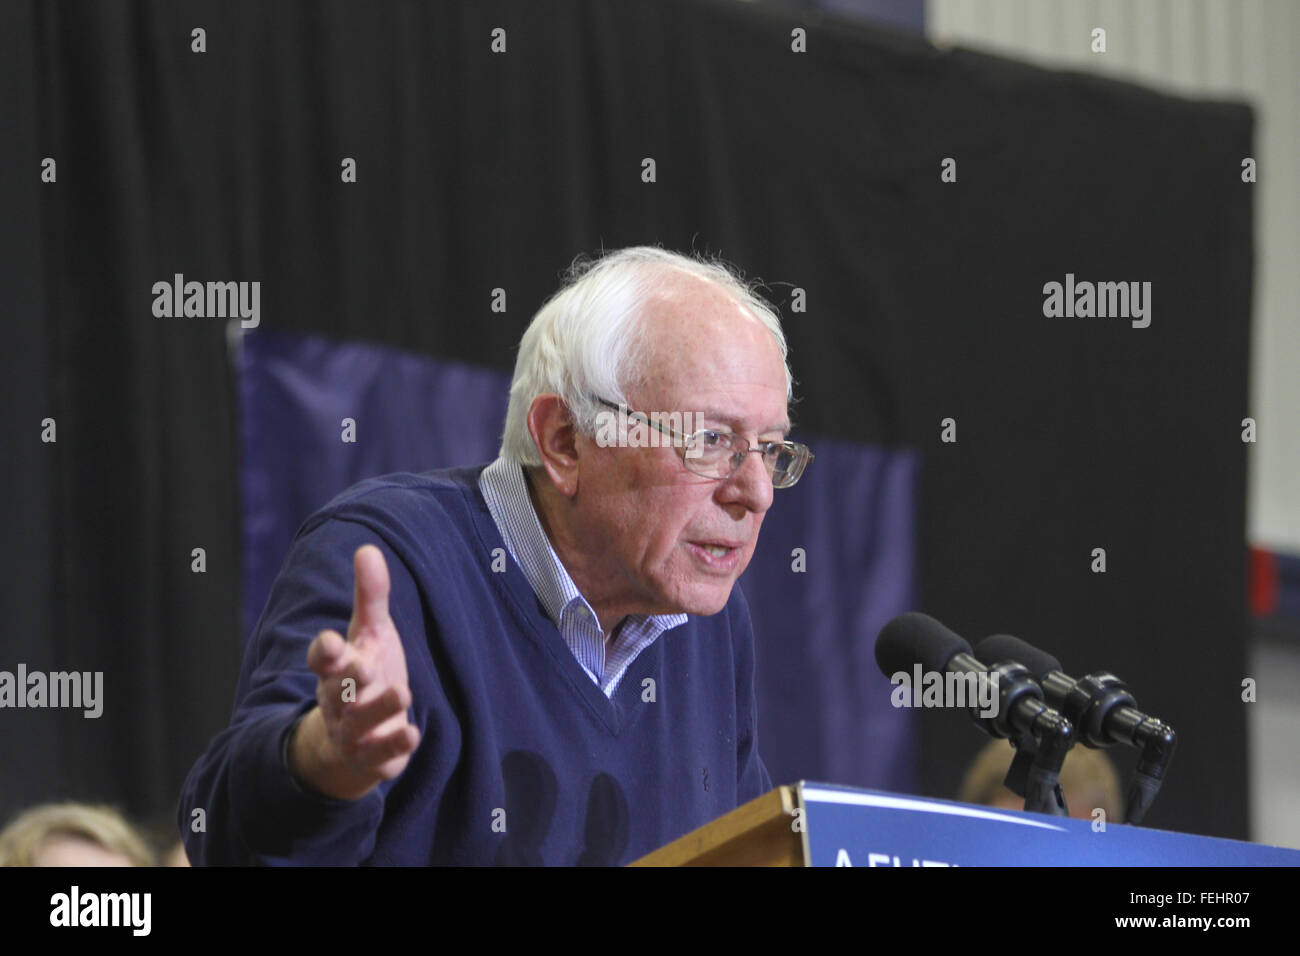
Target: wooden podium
{"x":759,"y":833}
{"x":824,"y":824}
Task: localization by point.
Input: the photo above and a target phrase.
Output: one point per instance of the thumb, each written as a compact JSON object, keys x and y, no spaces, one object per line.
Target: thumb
{"x":370,"y":592}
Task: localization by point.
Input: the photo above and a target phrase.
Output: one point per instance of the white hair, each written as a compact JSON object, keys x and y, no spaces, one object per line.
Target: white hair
{"x":586,"y":340}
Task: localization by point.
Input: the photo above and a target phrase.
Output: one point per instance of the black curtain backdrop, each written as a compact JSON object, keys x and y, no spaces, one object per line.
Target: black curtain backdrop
{"x":479,"y":170}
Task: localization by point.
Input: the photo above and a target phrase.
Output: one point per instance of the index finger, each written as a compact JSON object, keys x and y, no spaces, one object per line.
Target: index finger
{"x":329,"y":654}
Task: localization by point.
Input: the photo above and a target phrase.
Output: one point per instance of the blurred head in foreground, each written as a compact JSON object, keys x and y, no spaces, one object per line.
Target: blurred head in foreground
{"x":72,"y":834}
{"x":1088,"y":780}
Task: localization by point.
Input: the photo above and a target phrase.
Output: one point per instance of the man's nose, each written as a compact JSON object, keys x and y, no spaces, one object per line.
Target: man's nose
{"x":750,"y":484}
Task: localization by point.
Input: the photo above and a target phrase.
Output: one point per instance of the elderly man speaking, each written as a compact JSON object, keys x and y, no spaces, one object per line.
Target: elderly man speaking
{"x":544,"y":660}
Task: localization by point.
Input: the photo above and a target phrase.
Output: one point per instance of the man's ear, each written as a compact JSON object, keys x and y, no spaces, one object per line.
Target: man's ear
{"x":551,"y":424}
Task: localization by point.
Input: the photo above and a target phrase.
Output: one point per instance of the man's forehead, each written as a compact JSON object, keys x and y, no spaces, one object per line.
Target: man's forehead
{"x":738,"y":413}
{"x":710,"y":355}
{"x":687,"y":305}
{"x":696,"y":323}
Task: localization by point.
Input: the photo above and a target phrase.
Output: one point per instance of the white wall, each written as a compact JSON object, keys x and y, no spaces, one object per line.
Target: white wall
{"x":1274,"y":730}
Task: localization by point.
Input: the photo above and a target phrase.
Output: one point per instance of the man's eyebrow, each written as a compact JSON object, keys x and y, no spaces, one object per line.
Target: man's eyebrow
{"x":713,"y":414}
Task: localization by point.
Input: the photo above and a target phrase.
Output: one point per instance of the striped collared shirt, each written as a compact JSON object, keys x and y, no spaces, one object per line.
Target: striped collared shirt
{"x":506,"y":492}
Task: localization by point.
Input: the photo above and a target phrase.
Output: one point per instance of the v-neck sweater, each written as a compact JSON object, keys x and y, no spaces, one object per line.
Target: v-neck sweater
{"x":522,"y":759}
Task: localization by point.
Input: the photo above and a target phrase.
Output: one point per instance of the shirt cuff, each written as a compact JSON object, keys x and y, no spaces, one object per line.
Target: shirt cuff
{"x":285,"y":740}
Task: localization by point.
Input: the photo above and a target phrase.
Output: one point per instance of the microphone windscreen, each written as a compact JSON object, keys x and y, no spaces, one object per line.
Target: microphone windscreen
{"x":1001,"y":648}
{"x":914,"y":637}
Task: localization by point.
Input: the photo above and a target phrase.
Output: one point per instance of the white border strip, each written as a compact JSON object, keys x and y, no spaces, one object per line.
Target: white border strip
{"x":818,"y":795}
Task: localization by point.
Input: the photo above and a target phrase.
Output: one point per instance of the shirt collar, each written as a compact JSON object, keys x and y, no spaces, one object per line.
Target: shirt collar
{"x":505,"y":490}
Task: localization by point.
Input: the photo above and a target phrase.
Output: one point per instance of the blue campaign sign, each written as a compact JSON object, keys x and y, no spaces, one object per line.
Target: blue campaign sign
{"x":844,"y":826}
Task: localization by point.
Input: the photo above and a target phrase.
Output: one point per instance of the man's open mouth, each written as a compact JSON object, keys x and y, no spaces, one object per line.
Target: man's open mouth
{"x":722,"y":555}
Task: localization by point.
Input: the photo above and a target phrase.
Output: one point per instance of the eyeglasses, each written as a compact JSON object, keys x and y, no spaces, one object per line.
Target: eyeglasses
{"x":715,"y":454}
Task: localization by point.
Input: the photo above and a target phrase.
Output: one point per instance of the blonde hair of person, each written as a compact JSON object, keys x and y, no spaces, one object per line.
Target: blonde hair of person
{"x":22,"y":840}
{"x":1087,"y":775}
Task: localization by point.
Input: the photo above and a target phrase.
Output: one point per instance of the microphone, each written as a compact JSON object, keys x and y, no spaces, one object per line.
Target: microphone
{"x":1103,"y":709}
{"x":1041,"y":735}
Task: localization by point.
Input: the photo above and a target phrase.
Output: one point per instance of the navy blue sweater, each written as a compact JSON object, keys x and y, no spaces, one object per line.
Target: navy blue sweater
{"x":522,"y":759}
